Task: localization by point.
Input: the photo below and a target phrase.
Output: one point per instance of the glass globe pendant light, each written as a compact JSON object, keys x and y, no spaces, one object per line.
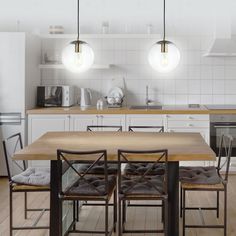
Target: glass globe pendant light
{"x":164,"y":56}
{"x":78,"y":56}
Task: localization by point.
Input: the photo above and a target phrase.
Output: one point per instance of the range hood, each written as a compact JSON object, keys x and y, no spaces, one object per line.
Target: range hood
{"x":222,"y":47}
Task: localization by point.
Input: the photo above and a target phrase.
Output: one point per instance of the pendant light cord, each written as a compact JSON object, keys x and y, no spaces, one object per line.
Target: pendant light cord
{"x":78,"y":16}
{"x":164,"y":19}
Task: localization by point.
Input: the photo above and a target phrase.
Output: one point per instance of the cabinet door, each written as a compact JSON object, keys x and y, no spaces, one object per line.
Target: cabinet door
{"x":40,"y":124}
{"x":144,"y":120}
{"x":80,"y":122}
{"x":112,"y":120}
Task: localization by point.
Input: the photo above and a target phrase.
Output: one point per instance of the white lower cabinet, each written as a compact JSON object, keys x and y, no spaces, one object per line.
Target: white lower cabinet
{"x":110,"y":120}
{"x":144,"y":120}
{"x":80,"y":122}
{"x":190,"y":124}
{"x":40,"y":124}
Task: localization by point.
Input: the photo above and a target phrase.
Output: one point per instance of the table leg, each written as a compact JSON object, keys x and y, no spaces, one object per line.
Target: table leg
{"x":55,"y":204}
{"x":173,"y":202}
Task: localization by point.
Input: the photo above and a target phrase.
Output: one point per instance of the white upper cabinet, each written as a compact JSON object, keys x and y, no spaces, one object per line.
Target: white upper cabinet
{"x":19,"y":73}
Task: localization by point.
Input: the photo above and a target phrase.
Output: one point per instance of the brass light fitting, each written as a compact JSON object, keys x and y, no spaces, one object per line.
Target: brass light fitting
{"x":164,"y":46}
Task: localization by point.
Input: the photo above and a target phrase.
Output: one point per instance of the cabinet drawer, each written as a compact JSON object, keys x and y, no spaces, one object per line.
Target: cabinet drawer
{"x":188,"y":124}
{"x":188,"y":117}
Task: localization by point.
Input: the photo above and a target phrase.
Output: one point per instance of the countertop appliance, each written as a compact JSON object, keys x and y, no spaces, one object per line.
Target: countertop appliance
{"x":19,"y":78}
{"x":85,"y":97}
{"x":222,"y":124}
{"x":55,"y":96}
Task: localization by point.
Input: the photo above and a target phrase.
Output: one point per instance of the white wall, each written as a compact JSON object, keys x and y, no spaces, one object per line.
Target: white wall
{"x":197,"y":79}
{"x":183,"y":16}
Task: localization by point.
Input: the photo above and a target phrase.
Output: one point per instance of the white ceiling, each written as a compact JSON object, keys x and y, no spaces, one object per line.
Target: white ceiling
{"x":183,"y":16}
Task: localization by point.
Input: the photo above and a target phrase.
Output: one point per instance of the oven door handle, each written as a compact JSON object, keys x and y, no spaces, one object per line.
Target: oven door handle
{"x":224,"y":126}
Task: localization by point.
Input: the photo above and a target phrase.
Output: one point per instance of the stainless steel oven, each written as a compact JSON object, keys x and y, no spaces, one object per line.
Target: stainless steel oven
{"x":222,"y":124}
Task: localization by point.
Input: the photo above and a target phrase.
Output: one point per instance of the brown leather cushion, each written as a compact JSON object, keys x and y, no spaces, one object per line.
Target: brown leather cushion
{"x":98,"y":168}
{"x":141,"y":168}
{"x":87,"y":186}
{"x":199,"y":175}
{"x":151,"y":185}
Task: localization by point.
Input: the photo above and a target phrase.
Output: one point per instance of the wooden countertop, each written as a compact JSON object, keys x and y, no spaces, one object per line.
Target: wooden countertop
{"x":181,"y":146}
{"x":126,"y":110}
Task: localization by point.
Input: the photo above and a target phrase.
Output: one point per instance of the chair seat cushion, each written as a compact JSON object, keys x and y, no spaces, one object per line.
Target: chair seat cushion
{"x":141,"y":168}
{"x":92,"y":186}
{"x":150,"y":185}
{"x":199,"y":175}
{"x":33,"y":176}
{"x":98,"y":169}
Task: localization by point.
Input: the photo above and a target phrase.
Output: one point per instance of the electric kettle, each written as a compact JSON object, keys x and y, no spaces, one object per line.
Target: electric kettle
{"x":85,"y":97}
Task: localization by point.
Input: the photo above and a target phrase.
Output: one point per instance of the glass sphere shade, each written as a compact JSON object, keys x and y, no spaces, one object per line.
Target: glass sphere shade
{"x":164,"y":62}
{"x":78,"y":62}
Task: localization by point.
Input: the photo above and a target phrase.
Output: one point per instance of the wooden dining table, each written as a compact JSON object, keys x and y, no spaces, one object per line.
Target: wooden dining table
{"x":180,"y":146}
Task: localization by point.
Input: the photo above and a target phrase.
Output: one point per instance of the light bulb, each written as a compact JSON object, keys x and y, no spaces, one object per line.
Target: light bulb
{"x":78,"y":62}
{"x":164,"y":61}
{"x":78,"y":59}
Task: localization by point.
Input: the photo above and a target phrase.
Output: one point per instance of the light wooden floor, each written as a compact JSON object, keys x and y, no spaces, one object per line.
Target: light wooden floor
{"x":92,"y":217}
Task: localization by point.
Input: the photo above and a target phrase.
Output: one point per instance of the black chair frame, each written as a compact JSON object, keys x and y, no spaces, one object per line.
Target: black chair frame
{"x":225,"y":149}
{"x":13,"y":189}
{"x":160,"y":129}
{"x":63,"y":165}
{"x":115,"y":127}
{"x":162,"y":157}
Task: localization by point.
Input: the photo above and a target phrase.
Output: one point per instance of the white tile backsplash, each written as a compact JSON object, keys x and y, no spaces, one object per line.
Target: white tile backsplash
{"x":197,"y":79}
{"x":206,"y":86}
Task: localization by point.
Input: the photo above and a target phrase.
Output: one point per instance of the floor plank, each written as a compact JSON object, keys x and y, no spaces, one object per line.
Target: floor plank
{"x":93,"y":217}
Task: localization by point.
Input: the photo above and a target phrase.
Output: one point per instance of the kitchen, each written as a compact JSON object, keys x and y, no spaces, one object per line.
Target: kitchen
{"x":121,"y":86}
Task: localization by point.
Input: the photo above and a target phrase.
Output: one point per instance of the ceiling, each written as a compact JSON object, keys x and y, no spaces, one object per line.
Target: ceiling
{"x":132,"y":16}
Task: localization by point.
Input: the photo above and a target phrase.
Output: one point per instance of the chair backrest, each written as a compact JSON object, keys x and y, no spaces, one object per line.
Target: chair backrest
{"x":85,"y":157}
{"x":153,"y":157}
{"x":141,"y":128}
{"x":117,"y":128}
{"x":224,"y":157}
{"x":11,"y":145}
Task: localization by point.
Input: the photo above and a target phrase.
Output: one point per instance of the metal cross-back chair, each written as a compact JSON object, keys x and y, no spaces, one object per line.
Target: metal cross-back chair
{"x":87,"y":187}
{"x":98,"y":169}
{"x":141,"y":167}
{"x":24,"y":180}
{"x":207,"y":179}
{"x":142,"y":186}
